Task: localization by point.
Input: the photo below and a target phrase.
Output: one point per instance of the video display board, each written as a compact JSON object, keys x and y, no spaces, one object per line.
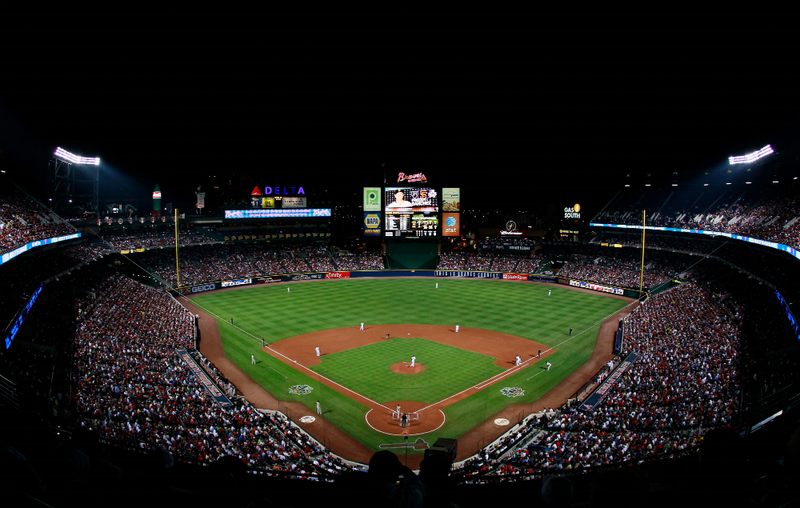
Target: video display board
{"x":411,"y":212}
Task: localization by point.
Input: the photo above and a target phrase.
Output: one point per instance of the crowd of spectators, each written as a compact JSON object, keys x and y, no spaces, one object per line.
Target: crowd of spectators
{"x":134,"y":391}
{"x":615,"y":270}
{"x":23,"y":219}
{"x":683,"y":382}
{"x":155,"y":238}
{"x":488,"y":260}
{"x":366,"y":260}
{"x":767,"y":215}
{"x":201,"y":264}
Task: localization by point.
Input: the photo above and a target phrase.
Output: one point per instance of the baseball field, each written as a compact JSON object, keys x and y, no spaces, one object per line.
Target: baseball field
{"x":460,"y":378}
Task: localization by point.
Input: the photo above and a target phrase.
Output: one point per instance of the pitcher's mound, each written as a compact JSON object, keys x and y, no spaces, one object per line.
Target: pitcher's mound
{"x":405,"y":368}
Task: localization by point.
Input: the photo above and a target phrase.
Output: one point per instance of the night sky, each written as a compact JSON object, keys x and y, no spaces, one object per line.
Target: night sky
{"x":509,"y":107}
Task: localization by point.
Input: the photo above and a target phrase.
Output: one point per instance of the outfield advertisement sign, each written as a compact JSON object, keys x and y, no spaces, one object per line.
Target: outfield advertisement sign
{"x":468,"y":275}
{"x":515,"y":276}
{"x":337,"y":275}
{"x":596,"y":287}
{"x":203,"y":287}
{"x":236,"y":282}
{"x":302,"y":276}
{"x":764,"y":243}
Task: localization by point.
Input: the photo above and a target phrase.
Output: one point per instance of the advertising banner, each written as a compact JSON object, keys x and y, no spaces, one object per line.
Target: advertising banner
{"x":515,"y":276}
{"x":451,"y":224}
{"x":372,"y":223}
{"x":451,"y":199}
{"x":293,"y":202}
{"x":596,"y":287}
{"x":203,"y":287}
{"x":302,"y":276}
{"x":372,"y":199}
{"x":236,"y":282}
{"x":337,"y":275}
{"x":468,"y":274}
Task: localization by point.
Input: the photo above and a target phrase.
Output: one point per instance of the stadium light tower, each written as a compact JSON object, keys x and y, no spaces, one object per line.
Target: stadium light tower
{"x":73,"y":183}
{"x":751,"y":157}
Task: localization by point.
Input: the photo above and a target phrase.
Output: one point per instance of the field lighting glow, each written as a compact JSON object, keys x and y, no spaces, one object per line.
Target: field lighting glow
{"x":751,"y":157}
{"x":76,"y":159}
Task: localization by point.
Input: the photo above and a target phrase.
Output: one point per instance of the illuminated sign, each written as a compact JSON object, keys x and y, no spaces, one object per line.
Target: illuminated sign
{"x":21,"y":318}
{"x":451,"y":199}
{"x":416,"y":177}
{"x":372,"y":199}
{"x":372,"y":224}
{"x":8,"y":256}
{"x":572,"y":212}
{"x":294,"y":202}
{"x":156,"y":194}
{"x":278,"y":213}
{"x":451,"y":224}
{"x":289,"y":190}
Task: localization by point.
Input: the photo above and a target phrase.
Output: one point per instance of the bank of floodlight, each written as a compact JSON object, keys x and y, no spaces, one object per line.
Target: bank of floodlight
{"x":751,"y":157}
{"x":76,"y":159}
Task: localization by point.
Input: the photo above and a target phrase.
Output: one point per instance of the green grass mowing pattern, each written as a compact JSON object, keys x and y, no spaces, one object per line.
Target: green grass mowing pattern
{"x":525,"y":310}
{"x":448,"y":370}
{"x":269,"y":312}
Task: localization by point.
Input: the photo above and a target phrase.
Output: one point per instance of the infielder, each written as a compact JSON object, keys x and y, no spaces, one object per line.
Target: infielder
{"x":319,"y":408}
{"x":548,"y":365}
{"x":517,"y":360}
{"x":316,"y":350}
{"x":413,"y":360}
{"x":361,"y":327}
{"x":457,"y":328}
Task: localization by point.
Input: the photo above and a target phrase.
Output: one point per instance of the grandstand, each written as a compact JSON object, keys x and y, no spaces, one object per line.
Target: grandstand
{"x":126,"y":372}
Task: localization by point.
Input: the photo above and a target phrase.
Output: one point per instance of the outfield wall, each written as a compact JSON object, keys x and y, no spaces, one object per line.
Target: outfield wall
{"x":462,"y":274}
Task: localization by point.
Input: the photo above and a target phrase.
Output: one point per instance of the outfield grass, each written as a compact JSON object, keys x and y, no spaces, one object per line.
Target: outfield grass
{"x":271,"y":313}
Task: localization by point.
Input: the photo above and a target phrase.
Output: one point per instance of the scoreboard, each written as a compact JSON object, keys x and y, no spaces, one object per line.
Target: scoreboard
{"x":411,"y":212}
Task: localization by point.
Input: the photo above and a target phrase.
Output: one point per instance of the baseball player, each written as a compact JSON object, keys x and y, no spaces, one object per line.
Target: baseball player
{"x":413,"y":360}
{"x":549,"y":292}
{"x":458,"y":328}
{"x":319,"y":408}
{"x":437,"y":285}
{"x":289,"y":289}
{"x":548,"y":365}
{"x":316,"y":350}
{"x":252,"y":359}
{"x":517,"y":360}
{"x":361,"y":327}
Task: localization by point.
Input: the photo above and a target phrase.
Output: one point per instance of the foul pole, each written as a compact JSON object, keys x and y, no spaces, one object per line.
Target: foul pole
{"x":177,"y":259}
{"x":641,"y":271}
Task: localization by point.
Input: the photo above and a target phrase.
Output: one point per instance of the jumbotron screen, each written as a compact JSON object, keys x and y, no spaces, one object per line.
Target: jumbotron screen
{"x":411,"y":212}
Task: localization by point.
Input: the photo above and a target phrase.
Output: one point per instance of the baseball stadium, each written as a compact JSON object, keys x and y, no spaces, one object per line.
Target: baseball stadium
{"x":396,"y":337}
